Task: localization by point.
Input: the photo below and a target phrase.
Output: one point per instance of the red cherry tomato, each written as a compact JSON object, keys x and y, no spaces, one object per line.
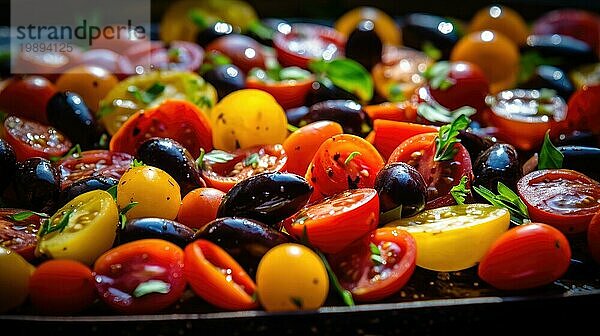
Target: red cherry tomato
{"x":115,"y":63}
{"x":440,"y":176}
{"x":178,"y":55}
{"x":593,"y":237}
{"x":217,"y":278}
{"x":244,"y":52}
{"x":580,"y":24}
{"x":93,"y":163}
{"x":29,"y":138}
{"x":19,"y":235}
{"x":49,"y":63}
{"x":335,"y":222}
{"x":288,"y":93}
{"x":62,"y":286}
{"x":583,"y":110}
{"x":389,"y":134}
{"x":563,"y":198}
{"x":140,"y":277}
{"x":27,"y":97}
{"x":526,"y":256}
{"x":373,"y":276}
{"x":179,"y":120}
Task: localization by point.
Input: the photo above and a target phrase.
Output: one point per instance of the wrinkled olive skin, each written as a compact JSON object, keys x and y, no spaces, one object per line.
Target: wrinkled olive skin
{"x":568,"y":51}
{"x":398,"y":184}
{"x":170,"y":156}
{"x":364,"y":46}
{"x":68,"y":113}
{"x":157,"y":228}
{"x":266,"y":197}
{"x":226,"y":79}
{"x":418,"y":28}
{"x":8,"y":163}
{"x":246,"y":240}
{"x":323,"y":90}
{"x":474,"y":143}
{"x":501,"y":163}
{"x":550,"y":77}
{"x":585,"y":160}
{"x":37,"y":184}
{"x":84,"y":185}
{"x":214,"y":31}
{"x":348,"y":113}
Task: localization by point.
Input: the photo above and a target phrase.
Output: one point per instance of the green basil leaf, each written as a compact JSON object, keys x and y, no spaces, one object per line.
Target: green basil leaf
{"x":550,"y":157}
{"x":347,"y":74}
{"x":23,"y":215}
{"x":459,"y":192}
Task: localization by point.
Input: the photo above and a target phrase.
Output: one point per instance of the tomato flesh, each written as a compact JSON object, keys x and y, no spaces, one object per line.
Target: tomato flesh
{"x":29,"y":139}
{"x":94,"y":163}
{"x":19,"y":236}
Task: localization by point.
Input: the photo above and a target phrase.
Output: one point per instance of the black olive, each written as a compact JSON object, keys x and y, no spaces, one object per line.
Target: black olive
{"x":550,"y":77}
{"x":266,"y":197}
{"x":214,"y":31}
{"x":225,"y":78}
{"x":566,"y":51}
{"x":8,"y":162}
{"x":295,"y":114}
{"x":246,"y":240}
{"x":84,"y":185}
{"x":170,"y":156}
{"x":499,"y":163}
{"x":585,"y":160}
{"x":348,"y":113}
{"x":323,"y":90}
{"x":264,"y":34}
{"x":577,"y":138}
{"x":37,"y":184}
{"x":420,"y":28}
{"x":398,"y":184}
{"x":156,"y":228}
{"x":475,"y":143}
{"x":364,"y":45}
{"x":68,"y":113}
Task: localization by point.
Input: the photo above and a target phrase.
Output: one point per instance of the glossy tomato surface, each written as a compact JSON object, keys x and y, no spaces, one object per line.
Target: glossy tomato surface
{"x":27,"y":97}
{"x":20,"y":234}
{"x":30,"y":138}
{"x":98,"y":162}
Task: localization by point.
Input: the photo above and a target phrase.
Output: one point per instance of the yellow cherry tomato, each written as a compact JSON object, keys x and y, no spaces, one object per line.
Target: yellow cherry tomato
{"x":247,"y":118}
{"x":291,"y":277}
{"x":15,"y":272}
{"x":81,"y":230}
{"x":455,"y":237}
{"x":501,"y":19}
{"x":90,"y":82}
{"x":156,"y":193}
{"x":385,"y":26}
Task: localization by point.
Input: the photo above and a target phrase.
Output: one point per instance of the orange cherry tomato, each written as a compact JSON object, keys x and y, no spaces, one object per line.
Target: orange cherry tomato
{"x":501,"y":19}
{"x":398,"y":111}
{"x":385,"y":26}
{"x":303,"y":143}
{"x":90,"y":82}
{"x":389,"y":134}
{"x":30,"y":138}
{"x":217,"y":278}
{"x":199,"y":207}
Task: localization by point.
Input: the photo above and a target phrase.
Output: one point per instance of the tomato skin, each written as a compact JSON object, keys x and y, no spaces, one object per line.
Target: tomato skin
{"x":116,"y":285}
{"x":583,"y":110}
{"x":62,"y":287}
{"x":563,"y":198}
{"x":235,"y":47}
{"x":92,"y":83}
{"x":14,"y":279}
{"x":199,"y":207}
{"x":388,"y":134}
{"x":27,"y":97}
{"x":385,"y":26}
{"x":405,"y":111}
{"x":47,"y":142}
{"x":593,"y":237}
{"x":98,"y":162}
{"x":526,"y":256}
{"x":397,"y":247}
{"x":207,"y":269}
{"x":289,"y":94}
{"x":20,"y":236}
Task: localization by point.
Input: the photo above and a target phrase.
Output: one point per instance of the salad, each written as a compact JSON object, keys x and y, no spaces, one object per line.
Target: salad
{"x":271,"y":165}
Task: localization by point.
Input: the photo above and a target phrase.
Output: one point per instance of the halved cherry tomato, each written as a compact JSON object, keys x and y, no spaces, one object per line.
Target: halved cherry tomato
{"x":19,"y":236}
{"x":593,"y":237}
{"x":440,"y":176}
{"x":373,"y":276}
{"x":242,"y":164}
{"x":177,"y":56}
{"x":244,"y":51}
{"x":335,"y":222}
{"x":398,"y":111}
{"x":563,"y":198}
{"x":15,"y":272}
{"x":217,"y":278}
{"x":61,"y":287}
{"x":141,"y":277}
{"x":27,"y":97}
{"x":386,"y":28}
{"x":30,"y":138}
{"x":581,"y":24}
{"x":199,"y":207}
{"x":583,"y":110}
{"x":389,"y":134}
{"x":343,"y":162}
{"x":98,"y":162}
{"x":302,"y":144}
{"x":179,"y":120}
{"x":288,"y":93}
{"x":526,"y":256}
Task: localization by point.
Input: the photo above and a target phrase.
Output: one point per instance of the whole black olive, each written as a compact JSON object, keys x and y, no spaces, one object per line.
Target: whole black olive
{"x":246,"y":240}
{"x":170,"y":156}
{"x":84,"y":185}
{"x":68,"y":113}
{"x":8,"y":162}
{"x":566,"y":51}
{"x":348,"y":113}
{"x":214,"y":31}
{"x":37,"y":184}
{"x":158,"y":228}
{"x":550,"y":77}
{"x":582,"y":159}
{"x":266,"y":197}
{"x":499,"y":163}
{"x":420,"y":28}
{"x":474,"y":143}
{"x":364,"y":45}
{"x":294,"y":115}
{"x":577,"y":138}
{"x":225,"y":78}
{"x":324,"y":89}
{"x":400,"y":184}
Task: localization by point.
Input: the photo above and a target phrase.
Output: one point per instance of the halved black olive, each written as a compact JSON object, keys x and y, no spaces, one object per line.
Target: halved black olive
{"x":348,"y":113}
{"x":566,"y":52}
{"x":585,"y":160}
{"x":550,"y":77}
{"x":37,"y":184}
{"x":246,"y":240}
{"x":8,"y":162}
{"x":159,"y":228}
{"x":225,"y":78}
{"x":84,"y":185}
{"x":324,"y":89}
{"x":420,"y":28}
{"x":266,"y":197}
{"x":499,"y":163}
{"x":364,"y":45}
{"x":398,"y":184}
{"x":68,"y":113}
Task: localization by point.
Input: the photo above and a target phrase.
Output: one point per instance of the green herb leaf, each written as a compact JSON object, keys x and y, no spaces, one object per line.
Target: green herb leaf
{"x":529,"y":61}
{"x":292,"y":128}
{"x":128,"y":207}
{"x":391,"y":215}
{"x":507,"y":199}
{"x":218,"y":156}
{"x":62,"y":224}
{"x":431,"y":51}
{"x":293,"y":73}
{"x":436,"y":113}
{"x":122,"y":220}
{"x":351,"y":157}
{"x":75,"y":152}
{"x":151,"y":286}
{"x":374,"y":249}
{"x":547,"y":95}
{"x":147,"y":96}
{"x":448,"y":136}
{"x":459,"y":192}
{"x":137,"y":163}
{"x":438,"y":76}
{"x":347,"y":74}
{"x":296,"y":301}
{"x":396,"y":94}
{"x":23,"y":215}
{"x":200,"y":18}
{"x":377,"y":259}
{"x":259,"y":29}
{"x":251,"y":160}
{"x":113,"y":191}
{"x":550,"y":157}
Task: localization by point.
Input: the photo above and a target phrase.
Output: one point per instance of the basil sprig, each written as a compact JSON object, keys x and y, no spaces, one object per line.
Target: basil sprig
{"x":346,"y":74}
{"x":447,"y":137}
{"x":459,"y":192}
{"x":550,"y":157}
{"x":507,"y":199}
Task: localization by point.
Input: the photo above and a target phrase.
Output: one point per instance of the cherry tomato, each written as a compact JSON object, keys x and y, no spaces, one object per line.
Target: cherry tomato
{"x":92,"y":83}
{"x":62,"y":286}
{"x":49,"y":63}
{"x":30,"y":138}
{"x":222,"y":173}
{"x":291,"y":277}
{"x":141,"y":277}
{"x":502,"y":19}
{"x":177,"y":56}
{"x":376,"y":266}
{"x":98,"y":162}
{"x":385,"y":26}
{"x":593,"y":237}
{"x":343,"y":162}
{"x":563,"y":198}
{"x":243,"y":51}
{"x":217,"y":278}
{"x":15,"y":272}
{"x":19,"y":235}
{"x":335,"y":222}
{"x":389,"y":134}
{"x":526,"y":256}
{"x":27,"y":97}
{"x":584,"y":109}
{"x":440,"y":176}
{"x":177,"y":119}
{"x":302,"y":144}
{"x":115,"y":63}
{"x":399,"y":111}
{"x":289,"y":93}
{"x":580,"y":24}
{"x":199,"y":207}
